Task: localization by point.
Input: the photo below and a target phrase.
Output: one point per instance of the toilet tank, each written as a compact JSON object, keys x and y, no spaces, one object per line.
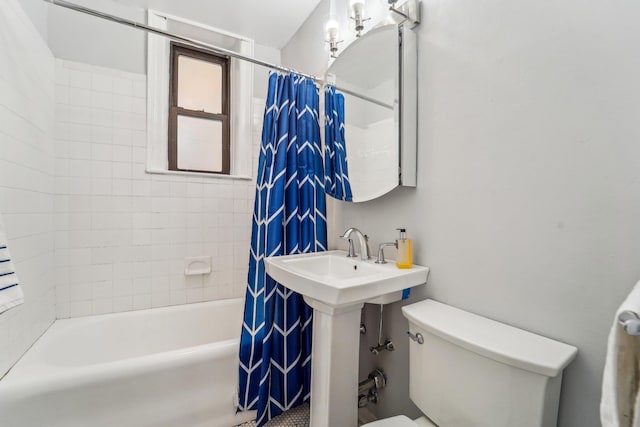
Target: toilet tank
{"x":475,"y":372}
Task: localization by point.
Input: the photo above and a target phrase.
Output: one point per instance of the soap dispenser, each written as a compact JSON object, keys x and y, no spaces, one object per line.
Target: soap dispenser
{"x":405,"y":250}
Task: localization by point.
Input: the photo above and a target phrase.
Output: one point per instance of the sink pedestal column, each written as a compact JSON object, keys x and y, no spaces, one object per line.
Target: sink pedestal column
{"x":334,"y":375}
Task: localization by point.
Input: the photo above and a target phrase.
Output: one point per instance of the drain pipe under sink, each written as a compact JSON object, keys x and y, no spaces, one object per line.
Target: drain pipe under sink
{"x":368,"y":389}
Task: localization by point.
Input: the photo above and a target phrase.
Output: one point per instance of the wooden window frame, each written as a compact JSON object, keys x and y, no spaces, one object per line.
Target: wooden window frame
{"x":175,"y":111}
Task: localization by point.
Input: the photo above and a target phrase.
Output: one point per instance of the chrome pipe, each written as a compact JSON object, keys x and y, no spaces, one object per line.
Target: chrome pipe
{"x":380,"y":325}
{"x":177,"y":37}
{"x":376,"y":380}
{"x":202,"y":45}
{"x":365,"y":98}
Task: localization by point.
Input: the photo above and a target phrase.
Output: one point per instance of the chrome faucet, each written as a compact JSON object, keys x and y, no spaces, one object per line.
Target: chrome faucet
{"x":364,"y":241}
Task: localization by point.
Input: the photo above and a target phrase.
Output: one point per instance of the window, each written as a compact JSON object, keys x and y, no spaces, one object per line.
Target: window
{"x":241,"y":102}
{"x":199,"y":122}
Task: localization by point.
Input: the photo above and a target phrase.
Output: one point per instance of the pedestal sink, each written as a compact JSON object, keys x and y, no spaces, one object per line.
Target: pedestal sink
{"x":336,"y":287}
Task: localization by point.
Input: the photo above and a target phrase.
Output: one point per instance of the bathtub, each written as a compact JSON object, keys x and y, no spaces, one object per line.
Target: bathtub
{"x":173,"y":366}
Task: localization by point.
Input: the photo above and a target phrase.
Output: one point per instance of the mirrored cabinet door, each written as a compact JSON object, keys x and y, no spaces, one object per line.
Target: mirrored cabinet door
{"x":373,"y":76}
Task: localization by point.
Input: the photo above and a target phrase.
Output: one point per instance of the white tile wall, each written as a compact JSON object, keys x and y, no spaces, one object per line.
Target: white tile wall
{"x":26,"y":177}
{"x":122,"y":234}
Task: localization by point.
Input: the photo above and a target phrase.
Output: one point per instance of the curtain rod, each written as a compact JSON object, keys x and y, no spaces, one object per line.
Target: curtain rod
{"x":203,"y":45}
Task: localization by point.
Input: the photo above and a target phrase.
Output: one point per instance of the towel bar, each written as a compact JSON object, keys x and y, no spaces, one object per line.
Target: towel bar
{"x":630,"y":322}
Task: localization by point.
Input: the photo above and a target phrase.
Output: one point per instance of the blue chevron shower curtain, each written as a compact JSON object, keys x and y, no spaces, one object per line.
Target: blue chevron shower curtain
{"x":336,"y":176}
{"x":289,"y":217}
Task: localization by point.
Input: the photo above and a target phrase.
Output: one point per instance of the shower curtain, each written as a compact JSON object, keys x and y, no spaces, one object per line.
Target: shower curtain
{"x":289,"y":217}
{"x":336,"y":177}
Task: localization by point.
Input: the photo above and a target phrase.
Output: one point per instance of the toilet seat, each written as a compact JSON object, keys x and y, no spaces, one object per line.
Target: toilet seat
{"x":401,"y":421}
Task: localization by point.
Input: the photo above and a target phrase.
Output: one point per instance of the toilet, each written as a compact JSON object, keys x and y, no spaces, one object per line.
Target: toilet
{"x":470,"y":371}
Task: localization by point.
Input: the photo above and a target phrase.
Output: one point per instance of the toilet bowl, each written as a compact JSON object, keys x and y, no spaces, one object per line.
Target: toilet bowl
{"x":470,"y":371}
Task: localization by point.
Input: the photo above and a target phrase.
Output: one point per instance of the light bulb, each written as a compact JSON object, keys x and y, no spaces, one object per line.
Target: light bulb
{"x":358,"y":8}
{"x":356,"y":5}
{"x":358,"y":11}
{"x":331,"y":27}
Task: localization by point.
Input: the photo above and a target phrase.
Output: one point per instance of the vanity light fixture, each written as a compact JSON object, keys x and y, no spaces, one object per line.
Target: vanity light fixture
{"x":331,"y":28}
{"x":401,"y":12}
{"x":409,"y":10}
{"x":357,"y":6}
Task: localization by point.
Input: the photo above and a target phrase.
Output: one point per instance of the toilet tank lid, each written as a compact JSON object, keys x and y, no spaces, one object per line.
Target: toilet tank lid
{"x":495,"y":340}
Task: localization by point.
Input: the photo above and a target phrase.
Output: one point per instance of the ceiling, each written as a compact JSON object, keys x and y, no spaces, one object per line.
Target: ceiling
{"x":268,"y":22}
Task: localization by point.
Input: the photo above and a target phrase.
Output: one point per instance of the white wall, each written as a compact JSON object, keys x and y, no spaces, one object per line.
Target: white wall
{"x":123,"y":234}
{"x":89,"y":40}
{"x":527,"y":202}
{"x":26,"y":177}
{"x":38,"y":13}
{"x":307,"y":50}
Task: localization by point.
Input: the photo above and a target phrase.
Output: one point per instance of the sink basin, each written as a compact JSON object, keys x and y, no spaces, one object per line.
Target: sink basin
{"x":335,"y":280}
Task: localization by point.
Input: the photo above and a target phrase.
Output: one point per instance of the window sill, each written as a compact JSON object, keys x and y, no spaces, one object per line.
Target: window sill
{"x":198,"y":174}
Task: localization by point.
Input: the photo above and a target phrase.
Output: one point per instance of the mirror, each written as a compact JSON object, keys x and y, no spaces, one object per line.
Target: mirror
{"x":377,"y":76}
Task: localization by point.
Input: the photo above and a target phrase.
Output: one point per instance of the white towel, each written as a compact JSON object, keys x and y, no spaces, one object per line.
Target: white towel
{"x":620,"y":405}
{"x":10,"y":291}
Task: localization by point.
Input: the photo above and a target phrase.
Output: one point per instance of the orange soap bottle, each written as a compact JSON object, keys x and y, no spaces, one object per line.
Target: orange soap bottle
{"x":405,"y":250}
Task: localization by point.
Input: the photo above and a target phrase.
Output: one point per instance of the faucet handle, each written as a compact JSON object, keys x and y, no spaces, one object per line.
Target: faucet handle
{"x":381,"y":246}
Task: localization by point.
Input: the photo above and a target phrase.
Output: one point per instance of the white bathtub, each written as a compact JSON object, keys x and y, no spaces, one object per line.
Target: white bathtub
{"x":173,"y":367}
